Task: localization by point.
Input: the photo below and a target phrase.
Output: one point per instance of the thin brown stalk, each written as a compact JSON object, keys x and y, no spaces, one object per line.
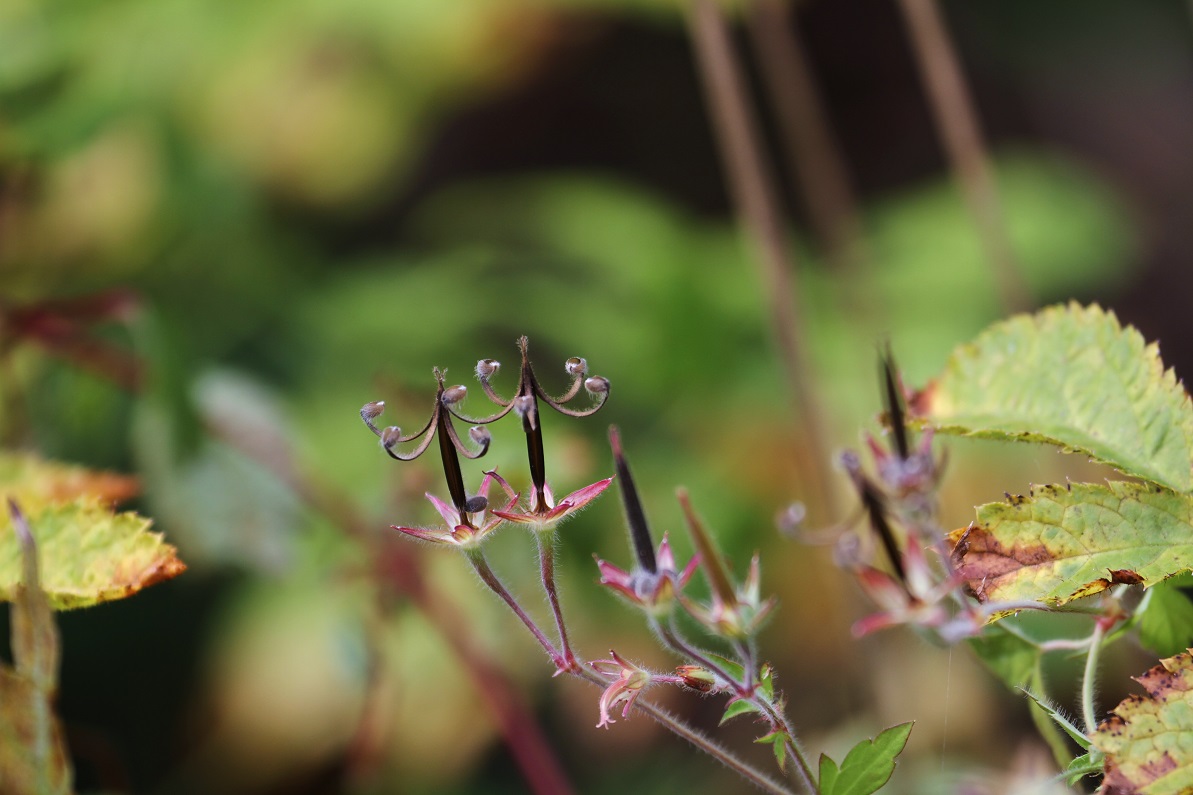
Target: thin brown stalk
{"x":532,"y":753}
{"x":957,"y":121}
{"x":814,"y":160}
{"x":737,"y":134}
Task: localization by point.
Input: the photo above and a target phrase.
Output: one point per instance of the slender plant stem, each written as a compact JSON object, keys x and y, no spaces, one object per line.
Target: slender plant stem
{"x":661,"y":716}
{"x":1089,"y":678}
{"x":546,"y":549}
{"x":957,"y":121}
{"x":813,"y":157}
{"x":490,"y":579}
{"x":754,"y":194}
{"x":522,"y":735}
{"x":746,"y":691}
{"x":696,"y":738}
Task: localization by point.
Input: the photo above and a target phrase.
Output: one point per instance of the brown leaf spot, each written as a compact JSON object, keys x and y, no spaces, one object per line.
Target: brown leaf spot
{"x":1125,"y":577}
{"x":982,"y":560}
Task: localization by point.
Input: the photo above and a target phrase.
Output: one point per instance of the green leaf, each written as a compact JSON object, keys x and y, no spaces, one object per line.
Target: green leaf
{"x":740,"y":707}
{"x":734,"y":669}
{"x":1082,"y":766}
{"x":1166,"y":622}
{"x":1146,"y":740}
{"x":868,"y":765}
{"x":766,"y":681}
{"x":88,"y":555}
{"x":1062,"y":542}
{"x":1073,"y":377}
{"x":777,"y":740}
{"x":1050,"y":709}
{"x":1011,"y":658}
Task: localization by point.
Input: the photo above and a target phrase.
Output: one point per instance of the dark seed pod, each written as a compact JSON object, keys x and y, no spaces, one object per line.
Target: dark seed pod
{"x":476,"y":504}
{"x":576,"y":366}
{"x":453,"y":395}
{"x":390,"y":436}
{"x":372,"y":410}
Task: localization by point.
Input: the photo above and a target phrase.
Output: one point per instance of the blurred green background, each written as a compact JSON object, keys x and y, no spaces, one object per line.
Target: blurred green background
{"x":287,"y":209}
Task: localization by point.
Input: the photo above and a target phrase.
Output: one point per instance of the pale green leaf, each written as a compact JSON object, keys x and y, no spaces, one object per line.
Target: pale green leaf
{"x":868,"y":765}
{"x":739,"y":707}
{"x":1070,"y":376}
{"x":1148,"y":741}
{"x":1061,"y":543}
{"x":1166,"y":622}
{"x":1082,"y":766}
{"x":88,"y":555}
{"x":777,"y":740}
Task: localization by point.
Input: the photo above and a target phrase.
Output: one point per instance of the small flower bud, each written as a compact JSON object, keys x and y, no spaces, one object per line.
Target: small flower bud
{"x":697,"y":678}
{"x":791,"y":519}
{"x":372,"y":410}
{"x":480,"y":434}
{"x":576,"y":366}
{"x":476,"y":504}
{"x":486,"y":368}
{"x":454,"y":394}
{"x":597,"y":385}
{"x":390,"y":436}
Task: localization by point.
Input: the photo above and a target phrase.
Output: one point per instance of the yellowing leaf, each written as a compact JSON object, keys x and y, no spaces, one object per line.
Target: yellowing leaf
{"x":1061,"y":542}
{"x":1148,"y":741}
{"x":1070,"y":376}
{"x":34,"y":482}
{"x":89,"y":555}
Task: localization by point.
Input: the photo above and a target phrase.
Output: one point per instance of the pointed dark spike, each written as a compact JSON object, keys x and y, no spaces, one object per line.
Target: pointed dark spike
{"x":894,"y":404}
{"x":451,"y":466}
{"x":872,"y":502}
{"x":635,"y":517}
{"x":532,"y":426}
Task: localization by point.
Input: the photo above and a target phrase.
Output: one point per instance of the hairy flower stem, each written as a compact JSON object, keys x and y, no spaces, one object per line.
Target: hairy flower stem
{"x":708,"y":746}
{"x":588,"y":674}
{"x":1088,"y":680}
{"x":489,"y":578}
{"x":546,"y":545}
{"x":744,"y":690}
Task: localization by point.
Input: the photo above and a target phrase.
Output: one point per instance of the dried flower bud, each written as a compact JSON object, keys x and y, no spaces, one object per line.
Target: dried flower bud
{"x":486,"y":368}
{"x":523,"y":404}
{"x":598,"y":385}
{"x":454,"y":394}
{"x":390,"y":436}
{"x":372,"y":410}
{"x":576,"y":366}
{"x":480,"y":434}
{"x":697,"y":678}
{"x":476,"y":504}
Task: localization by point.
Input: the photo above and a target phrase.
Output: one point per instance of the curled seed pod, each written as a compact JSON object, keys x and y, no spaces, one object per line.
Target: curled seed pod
{"x":576,"y":366}
{"x":523,"y":404}
{"x":485,"y":368}
{"x":480,"y":435}
{"x":476,"y":504}
{"x":390,"y":436}
{"x":453,"y":395}
{"x":372,"y":410}
{"x":598,"y":385}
